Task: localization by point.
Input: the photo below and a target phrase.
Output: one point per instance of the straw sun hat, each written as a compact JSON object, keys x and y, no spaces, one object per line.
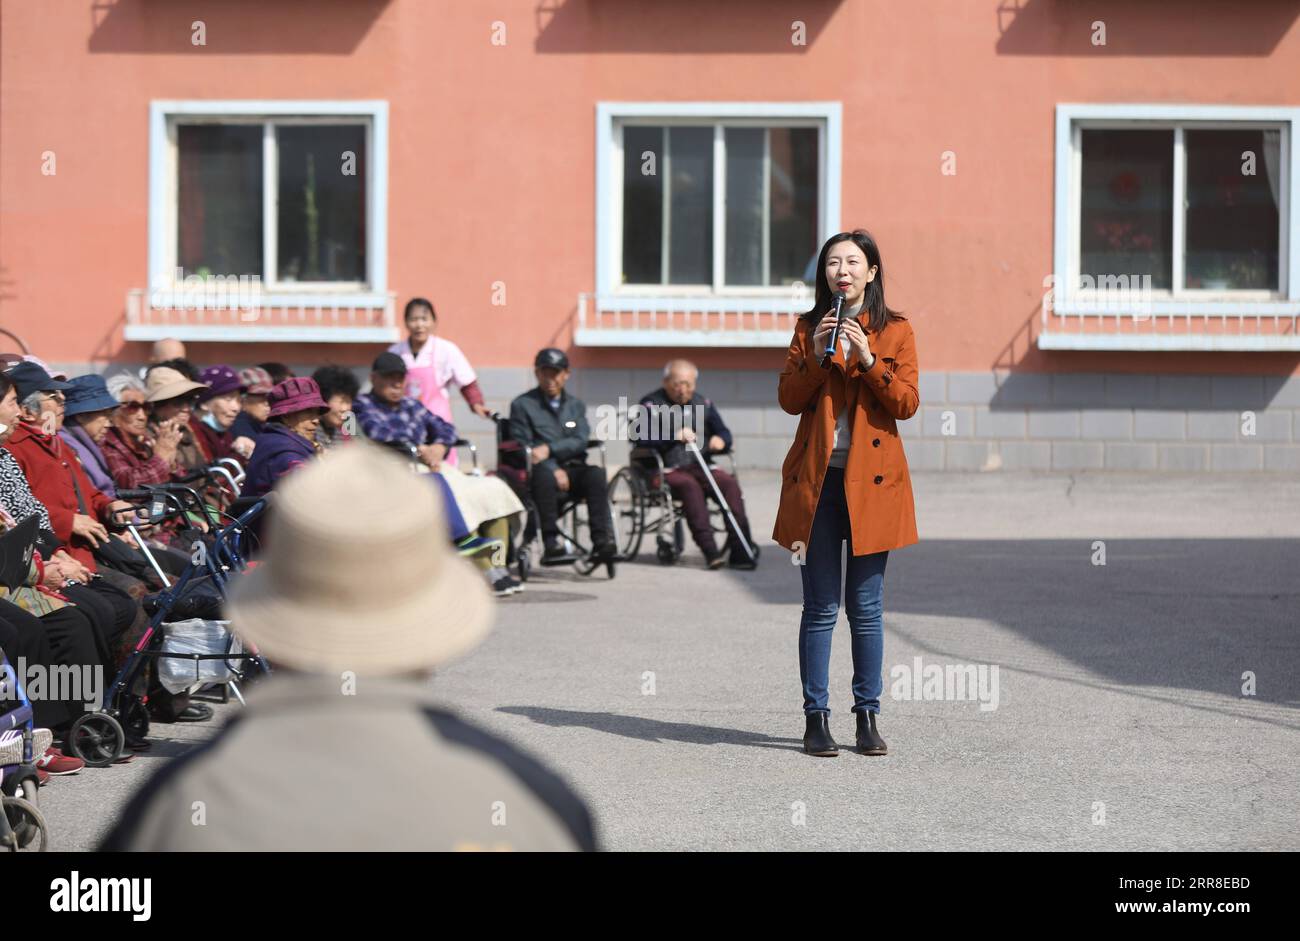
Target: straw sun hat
{"x":359,"y":573}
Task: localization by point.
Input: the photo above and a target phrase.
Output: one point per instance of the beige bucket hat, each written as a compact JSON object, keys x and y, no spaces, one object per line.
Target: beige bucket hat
{"x":359,"y":573}
{"x":164,"y":383}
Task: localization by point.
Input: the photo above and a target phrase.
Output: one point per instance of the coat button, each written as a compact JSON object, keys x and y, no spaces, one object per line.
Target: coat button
{"x":875,"y":442}
{"x":879,"y":479}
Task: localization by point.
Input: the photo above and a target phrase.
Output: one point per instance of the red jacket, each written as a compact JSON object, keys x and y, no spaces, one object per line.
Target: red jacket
{"x":54,"y":474}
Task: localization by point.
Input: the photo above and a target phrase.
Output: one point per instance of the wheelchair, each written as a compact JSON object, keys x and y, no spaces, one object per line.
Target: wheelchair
{"x":515,"y":466}
{"x":644,"y":503}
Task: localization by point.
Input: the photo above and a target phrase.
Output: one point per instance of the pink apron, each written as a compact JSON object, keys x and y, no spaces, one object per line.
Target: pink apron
{"x":423,"y":381}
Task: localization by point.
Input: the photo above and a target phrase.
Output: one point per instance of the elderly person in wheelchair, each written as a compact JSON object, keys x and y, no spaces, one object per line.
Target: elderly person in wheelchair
{"x":673,"y":416}
{"x":388,"y":416}
{"x":550,"y":426}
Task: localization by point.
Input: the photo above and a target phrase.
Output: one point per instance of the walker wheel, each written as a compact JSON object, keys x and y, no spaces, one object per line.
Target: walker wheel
{"x":525,"y":564}
{"x":666,"y":554}
{"x":26,"y":826}
{"x":97,"y":739}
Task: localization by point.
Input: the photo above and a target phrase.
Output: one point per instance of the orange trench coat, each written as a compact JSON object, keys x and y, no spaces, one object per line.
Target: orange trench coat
{"x":877,"y":485}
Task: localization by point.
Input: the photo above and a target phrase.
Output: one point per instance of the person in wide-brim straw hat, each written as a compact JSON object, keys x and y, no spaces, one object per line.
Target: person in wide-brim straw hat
{"x":356,"y":600}
{"x":166,"y":383}
{"x":360,"y":575}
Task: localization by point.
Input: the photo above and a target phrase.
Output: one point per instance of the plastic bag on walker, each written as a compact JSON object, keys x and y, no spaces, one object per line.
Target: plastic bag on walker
{"x":196,"y":636}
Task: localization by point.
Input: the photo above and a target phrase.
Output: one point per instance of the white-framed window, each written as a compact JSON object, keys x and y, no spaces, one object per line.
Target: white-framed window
{"x":291,"y":194}
{"x":716,"y":201}
{"x":1189,"y":209}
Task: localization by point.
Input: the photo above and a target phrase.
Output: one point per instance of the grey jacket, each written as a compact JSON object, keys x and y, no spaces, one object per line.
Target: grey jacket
{"x":306,"y":767}
{"x":534,"y":422}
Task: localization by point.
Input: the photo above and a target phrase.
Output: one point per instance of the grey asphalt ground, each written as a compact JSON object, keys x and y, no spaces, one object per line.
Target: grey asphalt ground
{"x":1120,"y":723}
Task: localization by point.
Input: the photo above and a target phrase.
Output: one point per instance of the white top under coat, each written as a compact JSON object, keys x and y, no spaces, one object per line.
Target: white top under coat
{"x":843,"y":433}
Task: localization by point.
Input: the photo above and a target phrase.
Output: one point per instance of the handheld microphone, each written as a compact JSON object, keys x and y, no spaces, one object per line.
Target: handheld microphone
{"x":829,"y":353}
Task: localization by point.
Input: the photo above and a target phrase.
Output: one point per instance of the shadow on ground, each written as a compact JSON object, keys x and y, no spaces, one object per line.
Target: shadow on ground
{"x":649,"y":730}
{"x":1194,"y":614}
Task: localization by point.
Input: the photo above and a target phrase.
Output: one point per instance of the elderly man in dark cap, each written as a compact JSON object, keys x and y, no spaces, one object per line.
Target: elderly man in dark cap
{"x":552,"y":425}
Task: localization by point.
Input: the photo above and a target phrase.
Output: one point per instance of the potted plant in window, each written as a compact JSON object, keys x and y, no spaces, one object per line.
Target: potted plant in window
{"x":1216,"y":275}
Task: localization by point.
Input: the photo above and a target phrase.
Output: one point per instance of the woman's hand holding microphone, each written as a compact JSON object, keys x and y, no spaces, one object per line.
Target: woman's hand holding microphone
{"x":851,"y":330}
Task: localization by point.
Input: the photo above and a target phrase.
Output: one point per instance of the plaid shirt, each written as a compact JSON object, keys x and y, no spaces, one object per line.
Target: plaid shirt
{"x":409,"y":420}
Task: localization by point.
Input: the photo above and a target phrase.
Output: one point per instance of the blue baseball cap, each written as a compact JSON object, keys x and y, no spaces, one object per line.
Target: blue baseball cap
{"x":28,"y":378}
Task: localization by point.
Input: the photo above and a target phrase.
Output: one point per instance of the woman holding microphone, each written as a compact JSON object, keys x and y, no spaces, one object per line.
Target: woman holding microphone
{"x":845,"y":477}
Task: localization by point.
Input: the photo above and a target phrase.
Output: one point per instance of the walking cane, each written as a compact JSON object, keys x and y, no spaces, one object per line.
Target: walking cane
{"x":726,"y":510}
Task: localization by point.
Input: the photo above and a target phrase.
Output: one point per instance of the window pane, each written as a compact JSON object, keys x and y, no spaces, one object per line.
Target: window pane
{"x":745,"y":186}
{"x":643,"y":206}
{"x":219,"y":199}
{"x":1126,"y":219}
{"x":794,"y":202}
{"x":322,"y":209}
{"x":690,"y":205}
{"x":1233,"y":180}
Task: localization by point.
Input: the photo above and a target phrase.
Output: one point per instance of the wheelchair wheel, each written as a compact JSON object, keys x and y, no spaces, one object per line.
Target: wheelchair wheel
{"x":679,"y":536}
{"x":27,"y":829}
{"x":665,"y":553}
{"x":97,"y":739}
{"x":627,"y":502}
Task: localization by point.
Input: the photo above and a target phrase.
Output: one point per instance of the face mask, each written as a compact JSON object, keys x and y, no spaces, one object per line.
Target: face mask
{"x":211,"y":421}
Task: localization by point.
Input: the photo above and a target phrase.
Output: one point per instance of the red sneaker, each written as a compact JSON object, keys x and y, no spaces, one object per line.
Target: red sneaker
{"x":42,"y":777}
{"x":55,"y":763}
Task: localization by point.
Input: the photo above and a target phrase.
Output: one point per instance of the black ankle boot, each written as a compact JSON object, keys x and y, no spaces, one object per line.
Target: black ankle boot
{"x":817,"y":738}
{"x":869,"y":740}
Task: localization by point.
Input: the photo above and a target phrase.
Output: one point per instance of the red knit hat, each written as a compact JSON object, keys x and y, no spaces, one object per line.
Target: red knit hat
{"x":295,"y":395}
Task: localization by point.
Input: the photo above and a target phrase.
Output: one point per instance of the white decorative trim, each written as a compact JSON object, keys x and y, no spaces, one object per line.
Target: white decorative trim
{"x":726,"y":303}
{"x":256,"y":334}
{"x":828,"y":116}
{"x":626,"y":337}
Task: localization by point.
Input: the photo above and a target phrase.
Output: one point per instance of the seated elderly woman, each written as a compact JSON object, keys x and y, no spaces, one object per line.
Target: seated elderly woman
{"x":172,"y":399}
{"x":256,"y":404}
{"x":218,"y":407}
{"x":135,"y":457}
{"x":339,"y":388}
{"x":88,"y":409}
{"x":287,"y":440}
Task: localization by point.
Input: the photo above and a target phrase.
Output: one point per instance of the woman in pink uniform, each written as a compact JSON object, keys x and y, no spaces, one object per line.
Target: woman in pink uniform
{"x":433,"y":364}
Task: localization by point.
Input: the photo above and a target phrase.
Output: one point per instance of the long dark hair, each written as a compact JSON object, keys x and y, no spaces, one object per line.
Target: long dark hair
{"x":878,"y":312}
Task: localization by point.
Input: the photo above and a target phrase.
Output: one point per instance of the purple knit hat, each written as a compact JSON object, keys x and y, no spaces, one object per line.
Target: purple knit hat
{"x":294,"y":395}
{"x":220,"y":380}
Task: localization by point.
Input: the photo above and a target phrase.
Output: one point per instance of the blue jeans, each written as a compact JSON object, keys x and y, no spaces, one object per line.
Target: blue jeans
{"x":862,"y":586}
